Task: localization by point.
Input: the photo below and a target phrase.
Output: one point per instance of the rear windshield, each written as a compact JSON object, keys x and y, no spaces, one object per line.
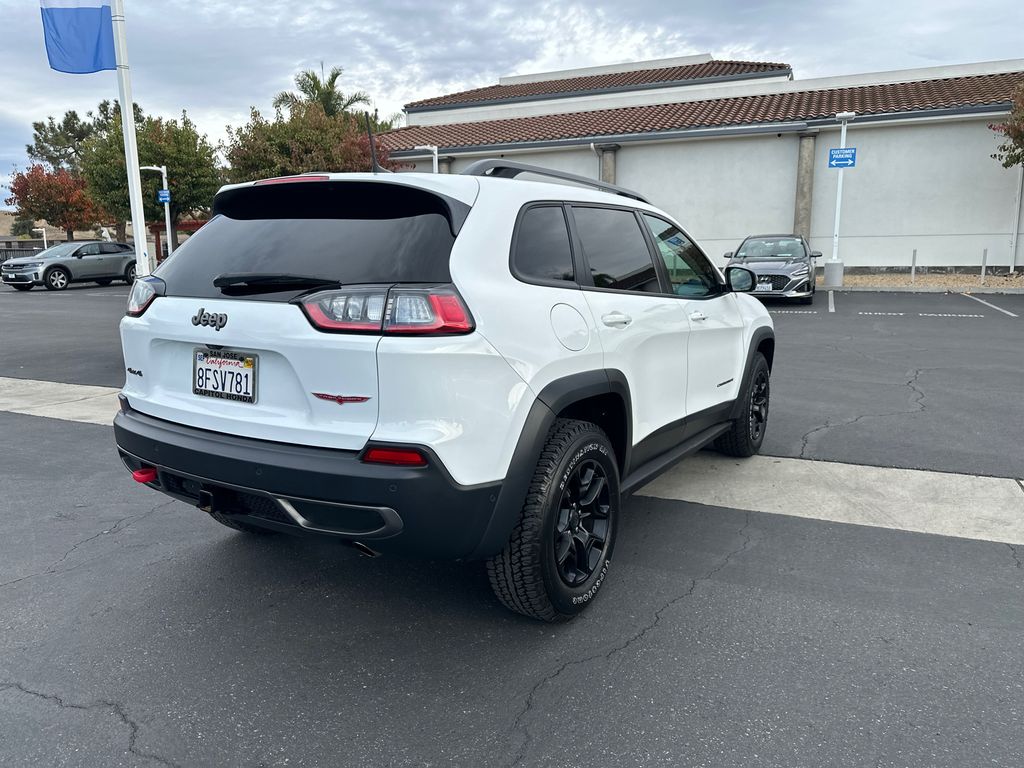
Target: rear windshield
{"x":351,"y":232}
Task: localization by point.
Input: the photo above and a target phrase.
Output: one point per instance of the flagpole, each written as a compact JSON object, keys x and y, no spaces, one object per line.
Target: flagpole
{"x":143,"y":266}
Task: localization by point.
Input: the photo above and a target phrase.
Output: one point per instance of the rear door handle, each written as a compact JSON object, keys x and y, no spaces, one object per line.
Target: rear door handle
{"x":616,"y":320}
{"x":698,"y":316}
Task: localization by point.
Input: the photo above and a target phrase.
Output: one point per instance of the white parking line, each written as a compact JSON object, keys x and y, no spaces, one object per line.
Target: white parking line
{"x":966,"y":506}
{"x":793,"y":311}
{"x":944,"y":314}
{"x":982,"y":301}
{"x":831,"y":301}
{"x":887,"y":314}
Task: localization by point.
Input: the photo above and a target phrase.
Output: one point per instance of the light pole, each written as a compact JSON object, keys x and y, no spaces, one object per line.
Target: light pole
{"x":432,"y":149}
{"x":167,"y":202}
{"x":43,"y":230}
{"x":834,"y":267}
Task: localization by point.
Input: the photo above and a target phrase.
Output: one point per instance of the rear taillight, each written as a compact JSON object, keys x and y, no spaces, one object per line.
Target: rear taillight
{"x":144,"y":291}
{"x":400,"y":457}
{"x":398,"y":310}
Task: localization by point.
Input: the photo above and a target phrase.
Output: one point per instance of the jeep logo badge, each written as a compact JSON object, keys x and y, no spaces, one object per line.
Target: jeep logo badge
{"x":213,"y":319}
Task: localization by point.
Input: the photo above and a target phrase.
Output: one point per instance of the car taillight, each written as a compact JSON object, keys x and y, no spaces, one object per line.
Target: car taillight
{"x":399,"y":310}
{"x":401,"y":457}
{"x":144,"y":291}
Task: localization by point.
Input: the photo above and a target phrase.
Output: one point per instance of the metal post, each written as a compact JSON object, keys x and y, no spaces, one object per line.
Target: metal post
{"x":167,"y":210}
{"x":913,"y":266}
{"x":143,"y":265}
{"x":984,"y":264}
{"x":839,"y":197}
{"x":43,"y":230}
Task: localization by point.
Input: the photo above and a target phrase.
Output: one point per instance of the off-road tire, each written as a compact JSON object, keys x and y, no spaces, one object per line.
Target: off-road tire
{"x":239,"y":525}
{"x":525,"y":576}
{"x":740,"y":440}
{"x":52,"y":282}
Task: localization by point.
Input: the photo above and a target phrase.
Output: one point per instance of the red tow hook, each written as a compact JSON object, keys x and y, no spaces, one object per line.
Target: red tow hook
{"x":144,"y":475}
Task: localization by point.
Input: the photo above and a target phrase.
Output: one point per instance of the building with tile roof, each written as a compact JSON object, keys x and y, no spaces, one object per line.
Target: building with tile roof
{"x":734,"y":148}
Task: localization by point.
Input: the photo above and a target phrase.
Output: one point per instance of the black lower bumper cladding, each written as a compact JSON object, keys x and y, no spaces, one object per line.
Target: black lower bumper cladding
{"x":418,"y":511}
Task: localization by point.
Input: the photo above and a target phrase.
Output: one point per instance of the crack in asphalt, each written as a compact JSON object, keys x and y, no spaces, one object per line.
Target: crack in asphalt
{"x":115,"y":706}
{"x":1016,"y":557}
{"x":917,"y":400}
{"x":111,"y":530}
{"x":519,"y":724}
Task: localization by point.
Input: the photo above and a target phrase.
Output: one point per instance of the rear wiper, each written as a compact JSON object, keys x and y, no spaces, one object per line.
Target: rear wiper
{"x":269,"y":281}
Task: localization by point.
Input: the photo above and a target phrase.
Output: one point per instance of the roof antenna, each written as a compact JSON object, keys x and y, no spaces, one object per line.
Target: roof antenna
{"x":377,"y":168}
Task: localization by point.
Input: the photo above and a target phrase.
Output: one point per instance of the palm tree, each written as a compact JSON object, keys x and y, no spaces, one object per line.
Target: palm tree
{"x":322,"y":90}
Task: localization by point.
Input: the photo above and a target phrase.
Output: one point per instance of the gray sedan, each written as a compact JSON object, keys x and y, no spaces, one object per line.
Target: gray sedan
{"x":784,"y":265}
{"x":75,"y":262}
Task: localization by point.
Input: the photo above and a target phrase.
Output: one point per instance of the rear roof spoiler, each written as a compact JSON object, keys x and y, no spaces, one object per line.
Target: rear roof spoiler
{"x":508,"y":169}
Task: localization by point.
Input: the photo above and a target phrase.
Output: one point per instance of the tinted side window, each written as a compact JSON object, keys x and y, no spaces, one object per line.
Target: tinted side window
{"x":89,"y":250}
{"x":542,"y":250}
{"x":616,"y":250}
{"x":110,"y":248}
{"x":690,"y":273}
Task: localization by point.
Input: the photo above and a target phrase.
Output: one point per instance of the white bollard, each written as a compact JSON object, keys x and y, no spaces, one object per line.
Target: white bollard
{"x":984,"y":264}
{"x":913,"y":267}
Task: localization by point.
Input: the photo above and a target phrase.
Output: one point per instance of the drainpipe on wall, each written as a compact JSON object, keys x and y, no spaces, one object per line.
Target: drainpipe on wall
{"x":1016,"y":219}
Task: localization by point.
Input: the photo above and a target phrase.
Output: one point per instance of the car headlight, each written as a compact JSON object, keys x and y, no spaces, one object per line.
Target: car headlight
{"x":32,"y":264}
{"x":800,"y":271}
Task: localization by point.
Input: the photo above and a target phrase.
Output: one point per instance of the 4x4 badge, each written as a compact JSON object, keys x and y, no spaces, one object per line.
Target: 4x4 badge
{"x":213,"y":319}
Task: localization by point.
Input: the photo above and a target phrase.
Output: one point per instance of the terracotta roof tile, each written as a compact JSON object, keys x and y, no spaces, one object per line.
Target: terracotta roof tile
{"x":947,"y":93}
{"x":664,"y":76}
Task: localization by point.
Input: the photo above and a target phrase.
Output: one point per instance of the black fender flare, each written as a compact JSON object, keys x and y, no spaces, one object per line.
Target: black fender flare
{"x":757,"y":337}
{"x":552,"y":400}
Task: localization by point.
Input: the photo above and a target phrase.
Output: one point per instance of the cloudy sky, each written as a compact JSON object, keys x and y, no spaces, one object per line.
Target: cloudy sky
{"x":217,"y":59}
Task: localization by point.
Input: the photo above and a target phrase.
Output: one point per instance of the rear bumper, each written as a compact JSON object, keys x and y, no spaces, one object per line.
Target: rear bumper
{"x":418,"y":511}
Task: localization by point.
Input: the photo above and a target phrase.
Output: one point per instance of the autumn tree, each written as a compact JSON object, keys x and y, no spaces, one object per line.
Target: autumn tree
{"x":1011,"y":151}
{"x":305,"y":139}
{"x":58,"y":196}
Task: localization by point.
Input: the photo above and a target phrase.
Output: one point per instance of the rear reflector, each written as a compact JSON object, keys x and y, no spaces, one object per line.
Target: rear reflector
{"x":144,"y":475}
{"x":402,"y":457}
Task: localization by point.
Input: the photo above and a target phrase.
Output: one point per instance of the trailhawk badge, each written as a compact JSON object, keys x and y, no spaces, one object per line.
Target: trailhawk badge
{"x":213,"y":319}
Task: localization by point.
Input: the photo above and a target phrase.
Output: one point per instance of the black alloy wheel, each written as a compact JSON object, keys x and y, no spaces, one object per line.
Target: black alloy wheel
{"x":581,"y":530}
{"x":758,"y":405}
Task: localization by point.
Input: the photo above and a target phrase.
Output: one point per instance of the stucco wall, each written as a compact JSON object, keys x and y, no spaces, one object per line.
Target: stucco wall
{"x":720,"y":190}
{"x":930,"y":186}
{"x":926,"y":185}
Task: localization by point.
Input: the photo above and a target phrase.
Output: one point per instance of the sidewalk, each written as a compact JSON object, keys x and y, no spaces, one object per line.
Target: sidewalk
{"x":930,"y":283}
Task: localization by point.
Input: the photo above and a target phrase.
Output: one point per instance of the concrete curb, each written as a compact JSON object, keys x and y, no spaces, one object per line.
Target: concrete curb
{"x":915,"y":289}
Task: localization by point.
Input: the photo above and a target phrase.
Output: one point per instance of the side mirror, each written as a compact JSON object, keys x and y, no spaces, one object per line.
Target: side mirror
{"x":740,"y":279}
{"x":815,"y":254}
{"x":727,"y":255}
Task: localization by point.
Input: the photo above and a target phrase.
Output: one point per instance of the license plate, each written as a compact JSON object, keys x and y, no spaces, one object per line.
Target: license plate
{"x":763,"y":287}
{"x":225,"y":375}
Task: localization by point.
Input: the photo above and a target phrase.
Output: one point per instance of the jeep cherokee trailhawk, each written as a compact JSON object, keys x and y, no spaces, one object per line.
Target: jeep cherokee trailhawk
{"x":471,"y":366}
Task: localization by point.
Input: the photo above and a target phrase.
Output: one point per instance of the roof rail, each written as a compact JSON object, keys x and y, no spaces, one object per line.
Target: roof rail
{"x":508,"y":169}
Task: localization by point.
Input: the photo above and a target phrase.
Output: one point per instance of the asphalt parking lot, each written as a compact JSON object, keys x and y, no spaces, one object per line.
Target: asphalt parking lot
{"x":751,"y":628}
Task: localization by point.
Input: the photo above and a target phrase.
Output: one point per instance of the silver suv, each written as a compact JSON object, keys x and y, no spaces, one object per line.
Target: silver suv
{"x":75,"y":262}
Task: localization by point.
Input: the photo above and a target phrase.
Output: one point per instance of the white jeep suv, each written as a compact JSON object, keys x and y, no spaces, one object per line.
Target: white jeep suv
{"x":470,"y":366}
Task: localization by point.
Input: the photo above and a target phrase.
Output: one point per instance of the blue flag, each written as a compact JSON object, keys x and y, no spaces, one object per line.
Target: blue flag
{"x":79,"y":35}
